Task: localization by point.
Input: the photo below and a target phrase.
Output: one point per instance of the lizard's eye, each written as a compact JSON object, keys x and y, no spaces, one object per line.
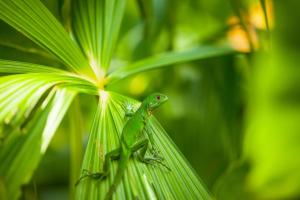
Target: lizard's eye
{"x":158,"y":97}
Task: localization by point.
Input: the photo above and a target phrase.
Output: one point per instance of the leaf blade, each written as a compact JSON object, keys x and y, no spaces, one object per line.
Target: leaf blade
{"x":20,"y":93}
{"x":167,"y":59}
{"x":31,"y":146}
{"x":33,"y":19}
{"x":15,"y":67}
{"x":98,"y":35}
{"x":37,"y":72}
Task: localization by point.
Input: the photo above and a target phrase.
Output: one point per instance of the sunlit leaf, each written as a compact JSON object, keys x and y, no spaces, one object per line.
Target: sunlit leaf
{"x":140,"y":181}
{"x":20,"y":93}
{"x":14,"y":67}
{"x":65,"y":80}
{"x":33,"y":19}
{"x":96,"y":26}
{"x":24,"y":148}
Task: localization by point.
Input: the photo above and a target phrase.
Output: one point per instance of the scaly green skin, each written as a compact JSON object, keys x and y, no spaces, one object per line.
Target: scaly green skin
{"x":128,"y":144}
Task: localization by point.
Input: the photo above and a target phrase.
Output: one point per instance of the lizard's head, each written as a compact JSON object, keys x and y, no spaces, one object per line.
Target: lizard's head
{"x":153,"y":101}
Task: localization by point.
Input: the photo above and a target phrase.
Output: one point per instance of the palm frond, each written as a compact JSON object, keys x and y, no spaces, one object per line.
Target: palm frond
{"x":35,"y":21}
{"x":29,"y":118}
{"x":24,"y":147}
{"x":167,"y":59}
{"x":65,"y":80}
{"x":96,"y":26}
{"x":15,"y":67}
{"x":20,"y":93}
{"x":140,"y":180}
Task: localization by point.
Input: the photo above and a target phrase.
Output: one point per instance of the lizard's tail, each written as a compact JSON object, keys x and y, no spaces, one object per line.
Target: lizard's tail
{"x":118,"y":178}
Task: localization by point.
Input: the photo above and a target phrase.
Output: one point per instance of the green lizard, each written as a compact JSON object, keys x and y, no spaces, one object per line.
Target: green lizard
{"x":129,"y":144}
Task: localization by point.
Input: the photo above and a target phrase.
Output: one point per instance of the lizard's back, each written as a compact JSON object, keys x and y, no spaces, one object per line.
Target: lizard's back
{"x":132,"y":129}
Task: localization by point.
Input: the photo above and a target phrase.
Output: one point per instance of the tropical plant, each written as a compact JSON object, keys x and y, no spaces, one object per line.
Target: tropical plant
{"x":35,"y":98}
{"x":70,"y":68}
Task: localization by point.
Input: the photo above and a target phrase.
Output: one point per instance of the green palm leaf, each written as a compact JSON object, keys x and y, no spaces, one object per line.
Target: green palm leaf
{"x":36,"y":22}
{"x":23,"y":149}
{"x":34,"y":98}
{"x":14,"y":67}
{"x":28,"y":111}
{"x":96,"y":26}
{"x":20,"y":93}
{"x":140,"y":181}
{"x":168,"y":59}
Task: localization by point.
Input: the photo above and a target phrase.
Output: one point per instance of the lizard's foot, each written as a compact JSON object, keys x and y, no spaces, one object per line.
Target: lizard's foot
{"x":86,"y":174}
{"x":149,"y":161}
{"x":155,"y":161}
{"x":156,"y":154}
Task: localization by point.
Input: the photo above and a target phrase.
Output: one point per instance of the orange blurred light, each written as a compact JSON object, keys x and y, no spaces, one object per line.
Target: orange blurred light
{"x":238,"y":38}
{"x":257,"y":17}
{"x":254,"y":19}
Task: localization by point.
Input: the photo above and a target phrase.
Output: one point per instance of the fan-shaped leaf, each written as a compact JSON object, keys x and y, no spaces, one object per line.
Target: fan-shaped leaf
{"x":140,"y":181}
{"x":96,"y":26}
{"x":14,"y":67}
{"x":20,"y":93}
{"x":23,"y":149}
{"x":32,"y":18}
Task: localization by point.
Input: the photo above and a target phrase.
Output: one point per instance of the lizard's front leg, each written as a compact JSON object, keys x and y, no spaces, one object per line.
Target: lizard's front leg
{"x":113,"y":155}
{"x":129,"y":111}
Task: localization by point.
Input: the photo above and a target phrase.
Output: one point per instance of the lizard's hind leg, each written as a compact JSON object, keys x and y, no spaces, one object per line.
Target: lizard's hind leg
{"x":142,"y":147}
{"x":154,"y":150}
{"x":113,"y":155}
